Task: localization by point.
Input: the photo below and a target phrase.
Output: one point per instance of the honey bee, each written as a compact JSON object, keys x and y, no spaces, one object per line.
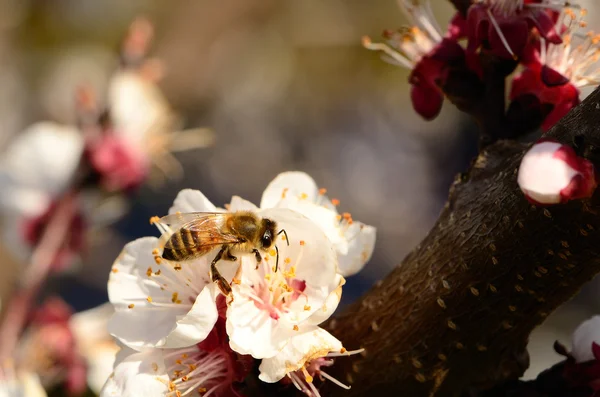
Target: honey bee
{"x":198,"y":233}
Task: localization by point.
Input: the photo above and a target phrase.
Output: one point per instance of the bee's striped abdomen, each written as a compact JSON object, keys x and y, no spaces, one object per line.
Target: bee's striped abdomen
{"x":183,"y":244}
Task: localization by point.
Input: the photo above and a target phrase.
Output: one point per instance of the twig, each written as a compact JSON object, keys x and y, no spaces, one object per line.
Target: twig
{"x":20,"y":304}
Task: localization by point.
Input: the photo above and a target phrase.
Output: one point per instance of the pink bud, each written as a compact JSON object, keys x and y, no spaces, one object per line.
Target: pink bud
{"x":551,"y":173}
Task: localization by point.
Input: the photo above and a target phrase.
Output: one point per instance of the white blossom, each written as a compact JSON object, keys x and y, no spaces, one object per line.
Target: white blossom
{"x":353,"y":241}
{"x":190,"y":371}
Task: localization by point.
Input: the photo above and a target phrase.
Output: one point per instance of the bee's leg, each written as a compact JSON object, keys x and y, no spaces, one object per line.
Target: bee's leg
{"x":228,"y":257}
{"x":258,"y":257}
{"x":216,"y":276}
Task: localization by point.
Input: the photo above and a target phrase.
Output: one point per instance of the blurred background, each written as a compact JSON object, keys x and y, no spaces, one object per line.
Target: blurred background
{"x":284,"y":85}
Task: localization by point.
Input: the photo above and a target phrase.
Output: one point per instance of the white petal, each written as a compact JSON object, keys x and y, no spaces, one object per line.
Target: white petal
{"x":317,"y":260}
{"x":294,"y":182}
{"x":361,"y":243}
{"x":139,"y":322}
{"x":38,"y":165}
{"x":189,"y":200}
{"x":583,"y":337}
{"x":354,"y":243}
{"x":195,"y":326}
{"x":239,"y":204}
{"x":326,"y":218}
{"x":138,"y":374}
{"x":330,"y":305}
{"x":251,"y":330}
{"x":306,"y":345}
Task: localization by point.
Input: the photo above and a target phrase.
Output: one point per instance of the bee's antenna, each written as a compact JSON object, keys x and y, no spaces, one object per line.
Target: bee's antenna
{"x":277,"y":259}
{"x":287,"y":240}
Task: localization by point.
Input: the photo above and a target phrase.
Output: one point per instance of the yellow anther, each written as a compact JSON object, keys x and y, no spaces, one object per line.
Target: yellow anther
{"x":157,"y":259}
{"x":296,"y":328}
{"x":149,"y":299}
{"x":272,"y":252}
{"x":154,"y":219}
{"x":303,"y":196}
{"x":174,"y":297}
{"x":306,"y":307}
{"x":335,"y":202}
{"x":131,"y":306}
{"x":322,"y":191}
{"x":149,"y":271}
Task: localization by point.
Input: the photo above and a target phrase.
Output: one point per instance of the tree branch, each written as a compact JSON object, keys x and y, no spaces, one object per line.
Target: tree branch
{"x":458,"y":311}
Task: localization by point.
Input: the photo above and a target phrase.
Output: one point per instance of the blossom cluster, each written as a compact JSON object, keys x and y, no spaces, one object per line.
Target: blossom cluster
{"x":113,"y":149}
{"x":182,"y":336}
{"x":548,"y":38}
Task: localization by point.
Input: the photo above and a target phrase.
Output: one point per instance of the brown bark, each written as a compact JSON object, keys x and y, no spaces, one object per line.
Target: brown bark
{"x":458,"y":311}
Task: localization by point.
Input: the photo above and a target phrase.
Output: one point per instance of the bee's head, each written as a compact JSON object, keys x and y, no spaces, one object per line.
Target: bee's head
{"x":268,"y":233}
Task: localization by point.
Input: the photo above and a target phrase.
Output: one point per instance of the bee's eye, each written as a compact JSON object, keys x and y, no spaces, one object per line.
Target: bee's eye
{"x":266,"y":240}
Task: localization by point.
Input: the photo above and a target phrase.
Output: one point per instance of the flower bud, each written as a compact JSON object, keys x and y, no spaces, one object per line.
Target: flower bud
{"x":551,"y":173}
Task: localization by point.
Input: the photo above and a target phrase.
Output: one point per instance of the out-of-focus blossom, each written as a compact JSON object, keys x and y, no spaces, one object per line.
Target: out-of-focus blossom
{"x":552,"y":173}
{"x":139,"y":112}
{"x":38,"y":166}
{"x":354,"y":241}
{"x":16,"y":383}
{"x":504,"y":25}
{"x":36,"y":169}
{"x":95,"y":344}
{"x":49,"y":349}
{"x":554,"y":72}
{"x":426,"y":51}
{"x":120,"y":165}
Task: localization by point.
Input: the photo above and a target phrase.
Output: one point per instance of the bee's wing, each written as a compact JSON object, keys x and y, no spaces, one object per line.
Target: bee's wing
{"x":179,"y":219}
{"x":206,"y":227}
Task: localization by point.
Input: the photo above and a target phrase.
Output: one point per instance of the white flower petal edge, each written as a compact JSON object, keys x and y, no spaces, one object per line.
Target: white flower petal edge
{"x":269,"y":306}
{"x":309,"y":344}
{"x":138,"y":374}
{"x":189,"y":200}
{"x":583,"y":337}
{"x":158,"y":303}
{"x":354,"y":241}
